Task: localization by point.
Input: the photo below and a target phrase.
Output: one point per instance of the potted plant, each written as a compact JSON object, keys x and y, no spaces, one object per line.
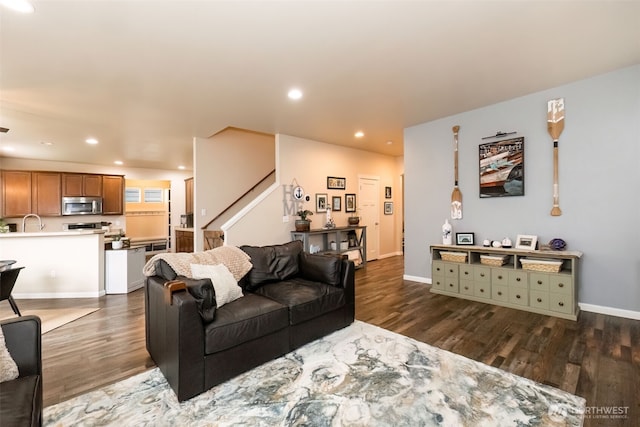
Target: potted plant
{"x":354,"y":219}
{"x":303,"y":224}
{"x":4,"y":227}
{"x":116,"y":243}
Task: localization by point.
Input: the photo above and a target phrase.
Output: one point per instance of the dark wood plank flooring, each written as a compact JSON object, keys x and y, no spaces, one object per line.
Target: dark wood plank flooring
{"x":597,"y":357}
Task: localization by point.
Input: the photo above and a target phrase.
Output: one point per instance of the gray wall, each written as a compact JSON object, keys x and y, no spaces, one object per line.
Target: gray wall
{"x":599,"y":183}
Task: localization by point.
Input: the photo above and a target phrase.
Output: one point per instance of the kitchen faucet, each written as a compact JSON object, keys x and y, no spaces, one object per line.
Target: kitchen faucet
{"x":24,"y":220}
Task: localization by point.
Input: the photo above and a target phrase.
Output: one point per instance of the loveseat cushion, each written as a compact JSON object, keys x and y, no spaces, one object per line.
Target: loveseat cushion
{"x":271,"y":263}
{"x":304,"y":298}
{"x":25,"y":404}
{"x":321,"y":268}
{"x":243,"y":320}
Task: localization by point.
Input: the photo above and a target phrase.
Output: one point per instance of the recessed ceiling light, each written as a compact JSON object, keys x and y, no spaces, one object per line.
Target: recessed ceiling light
{"x":22,"y":6}
{"x":180,"y":167}
{"x":118,"y":162}
{"x":91,"y":141}
{"x":47,"y":143}
{"x":8,"y":149}
{"x":295,"y":94}
{"x":389,"y":142}
{"x":359,"y":134}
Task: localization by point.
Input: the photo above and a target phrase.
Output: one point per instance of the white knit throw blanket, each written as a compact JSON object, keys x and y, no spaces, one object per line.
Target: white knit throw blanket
{"x":235,"y":259}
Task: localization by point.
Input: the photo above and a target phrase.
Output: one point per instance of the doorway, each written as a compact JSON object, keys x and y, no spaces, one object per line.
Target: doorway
{"x":369,"y":191}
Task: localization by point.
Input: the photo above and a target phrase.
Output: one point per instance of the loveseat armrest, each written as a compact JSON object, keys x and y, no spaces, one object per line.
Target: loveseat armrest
{"x":334,"y":270}
{"x":24,"y":341}
{"x":175,"y":338}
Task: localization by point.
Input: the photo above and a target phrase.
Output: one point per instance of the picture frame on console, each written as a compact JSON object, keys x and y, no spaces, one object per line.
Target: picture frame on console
{"x":465,"y":239}
{"x":525,"y":241}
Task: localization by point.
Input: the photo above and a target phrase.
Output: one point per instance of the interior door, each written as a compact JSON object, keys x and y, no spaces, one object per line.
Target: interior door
{"x":369,"y":192}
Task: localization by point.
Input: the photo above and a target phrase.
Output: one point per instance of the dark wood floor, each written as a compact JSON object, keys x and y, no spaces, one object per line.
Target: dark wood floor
{"x":597,"y":357}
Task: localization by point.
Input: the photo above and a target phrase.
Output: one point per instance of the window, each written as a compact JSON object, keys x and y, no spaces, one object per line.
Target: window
{"x":153,"y":195}
{"x":132,"y":195}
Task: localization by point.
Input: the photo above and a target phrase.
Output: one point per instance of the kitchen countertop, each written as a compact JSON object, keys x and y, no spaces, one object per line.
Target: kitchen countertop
{"x":70,"y":233}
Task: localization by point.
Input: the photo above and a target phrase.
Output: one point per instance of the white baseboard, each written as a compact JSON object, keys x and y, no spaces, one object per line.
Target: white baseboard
{"x":418,"y":279}
{"x":610,"y":311}
{"x":389,"y":255}
{"x":54,"y":295}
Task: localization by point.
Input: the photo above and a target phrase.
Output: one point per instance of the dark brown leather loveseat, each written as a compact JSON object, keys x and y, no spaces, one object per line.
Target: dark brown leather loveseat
{"x":290,"y":298}
{"x":21,"y":398}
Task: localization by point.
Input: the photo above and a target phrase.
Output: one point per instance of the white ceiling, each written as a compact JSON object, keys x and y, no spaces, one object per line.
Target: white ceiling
{"x":145,"y":77}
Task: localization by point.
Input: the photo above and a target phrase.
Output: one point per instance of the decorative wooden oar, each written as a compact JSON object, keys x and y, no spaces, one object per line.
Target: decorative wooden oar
{"x":555,"y":125}
{"x":456,"y":194}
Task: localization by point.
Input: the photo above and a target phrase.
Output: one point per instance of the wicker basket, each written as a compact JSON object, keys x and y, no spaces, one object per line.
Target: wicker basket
{"x":493,"y":260}
{"x":544,"y":266}
{"x":454,"y":256}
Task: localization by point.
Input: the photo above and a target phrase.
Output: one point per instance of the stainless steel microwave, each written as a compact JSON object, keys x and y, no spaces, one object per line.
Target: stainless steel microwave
{"x":81,"y":205}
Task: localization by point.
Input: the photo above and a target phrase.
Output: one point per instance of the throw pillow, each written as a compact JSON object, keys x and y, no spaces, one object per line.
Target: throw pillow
{"x":272,"y":263}
{"x":8,"y":367}
{"x":322,"y":268}
{"x":225,"y":285}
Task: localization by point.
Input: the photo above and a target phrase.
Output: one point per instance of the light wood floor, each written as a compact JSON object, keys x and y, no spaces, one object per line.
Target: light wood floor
{"x":597,"y":357}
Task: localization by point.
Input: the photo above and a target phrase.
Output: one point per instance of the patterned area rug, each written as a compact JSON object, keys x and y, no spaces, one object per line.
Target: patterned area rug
{"x":359,"y":376}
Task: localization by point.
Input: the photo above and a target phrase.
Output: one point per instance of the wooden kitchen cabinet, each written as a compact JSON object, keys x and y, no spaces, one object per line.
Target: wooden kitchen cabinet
{"x":46,"y":194}
{"x":16,"y":193}
{"x":81,"y":185}
{"x":184,"y":240}
{"x":188,"y":195}
{"x":26,"y":192}
{"x":112,"y":194}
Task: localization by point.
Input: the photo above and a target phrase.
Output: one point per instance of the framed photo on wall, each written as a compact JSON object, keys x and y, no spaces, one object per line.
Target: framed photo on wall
{"x":502,"y":168}
{"x":335,"y":183}
{"x":321,"y":202}
{"x":336,"y":203}
{"x":388,"y":208}
{"x":387,"y":192}
{"x":349,"y":202}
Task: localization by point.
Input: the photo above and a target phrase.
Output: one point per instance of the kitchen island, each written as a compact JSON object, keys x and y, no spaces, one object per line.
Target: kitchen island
{"x":63,"y":264}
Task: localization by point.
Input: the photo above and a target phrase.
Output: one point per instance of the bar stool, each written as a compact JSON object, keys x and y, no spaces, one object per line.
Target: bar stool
{"x":8,"y":277}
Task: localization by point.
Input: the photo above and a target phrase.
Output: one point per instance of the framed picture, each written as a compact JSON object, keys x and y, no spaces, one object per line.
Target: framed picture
{"x":334,"y":183}
{"x":526,"y":242}
{"x":502,"y":168}
{"x":464,"y":239}
{"x":388,"y":208}
{"x":349,"y":202}
{"x":336,"y":203}
{"x":387,"y":192}
{"x":321,"y":202}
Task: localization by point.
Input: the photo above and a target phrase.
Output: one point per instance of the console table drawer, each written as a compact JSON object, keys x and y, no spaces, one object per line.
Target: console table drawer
{"x":451,"y":270}
{"x":518,"y":278}
{"x":518,"y":296}
{"x":482,"y":290}
{"x":561,"y":284}
{"x":500,"y":293}
{"x":561,"y":303}
{"x":499,"y":276}
{"x":540,"y":300}
{"x":438,"y":282}
{"x":438,"y":268}
{"x":466,"y":272}
{"x":539,"y":282}
{"x":482,"y":274}
{"x":466,"y":287}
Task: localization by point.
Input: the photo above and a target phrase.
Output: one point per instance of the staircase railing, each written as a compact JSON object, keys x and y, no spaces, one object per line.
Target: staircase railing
{"x":217,"y":237}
